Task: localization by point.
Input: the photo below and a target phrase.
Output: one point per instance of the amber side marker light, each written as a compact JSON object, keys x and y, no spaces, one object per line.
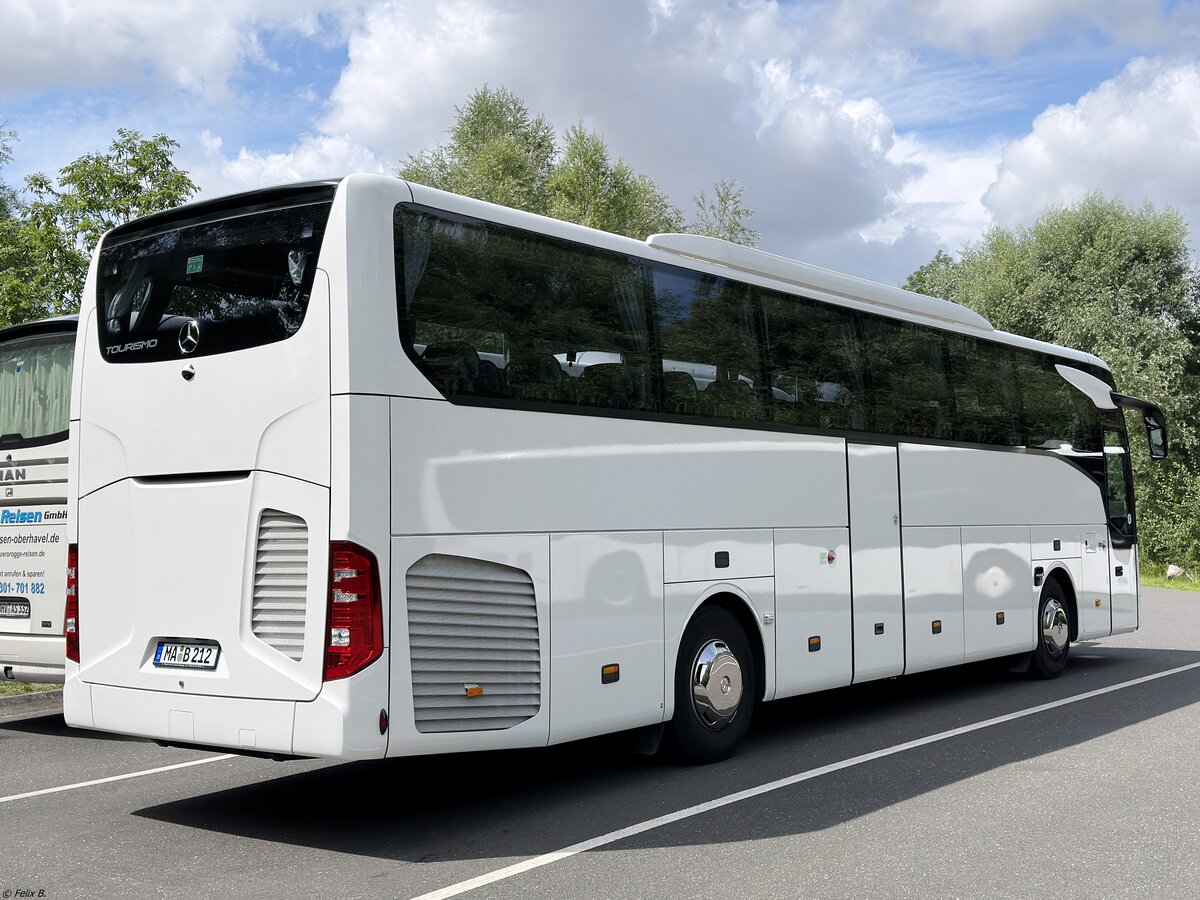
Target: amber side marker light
{"x":814,"y":643}
{"x":473,"y":690}
{"x":937,"y":626}
{"x":610,"y":673}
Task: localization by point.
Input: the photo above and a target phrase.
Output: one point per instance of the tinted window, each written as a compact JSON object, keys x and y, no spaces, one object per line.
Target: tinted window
{"x":243,"y":280}
{"x":494,"y":312}
{"x":488,"y":311}
{"x":815,"y":365}
{"x":986,"y":402}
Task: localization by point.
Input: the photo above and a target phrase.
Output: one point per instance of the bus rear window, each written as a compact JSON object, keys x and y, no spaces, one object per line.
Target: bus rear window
{"x":235,"y":282}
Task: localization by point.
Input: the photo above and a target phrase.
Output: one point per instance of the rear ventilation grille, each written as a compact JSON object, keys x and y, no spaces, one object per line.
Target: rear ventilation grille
{"x":473,"y":642}
{"x":280,"y":582}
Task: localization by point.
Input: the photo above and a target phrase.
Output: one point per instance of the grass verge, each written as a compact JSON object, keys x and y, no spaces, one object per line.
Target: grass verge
{"x":12,"y":688}
{"x":1155,"y":575}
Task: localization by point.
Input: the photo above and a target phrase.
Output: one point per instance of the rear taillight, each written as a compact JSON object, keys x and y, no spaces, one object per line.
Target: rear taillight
{"x":354,"y":634}
{"x":71,"y":615}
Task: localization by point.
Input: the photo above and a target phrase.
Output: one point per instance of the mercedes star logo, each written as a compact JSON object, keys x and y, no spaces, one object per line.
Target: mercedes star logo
{"x":189,"y":336}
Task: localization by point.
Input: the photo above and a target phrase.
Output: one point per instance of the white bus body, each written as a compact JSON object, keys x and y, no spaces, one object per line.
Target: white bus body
{"x":545,"y":564}
{"x":35,"y":385}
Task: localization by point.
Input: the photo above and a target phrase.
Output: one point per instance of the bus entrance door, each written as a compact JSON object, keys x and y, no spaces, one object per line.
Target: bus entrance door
{"x":875,"y":574}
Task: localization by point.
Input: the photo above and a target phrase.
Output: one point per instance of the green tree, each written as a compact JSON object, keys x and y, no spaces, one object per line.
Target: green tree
{"x":497,"y":152}
{"x":45,"y":248}
{"x":586,"y":187}
{"x":1116,"y":282}
{"x":8,"y":197}
{"x":725,"y":215}
{"x":937,"y":278}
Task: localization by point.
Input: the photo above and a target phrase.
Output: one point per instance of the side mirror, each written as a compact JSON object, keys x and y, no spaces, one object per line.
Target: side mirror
{"x":1155,"y":421}
{"x":1156,"y":434}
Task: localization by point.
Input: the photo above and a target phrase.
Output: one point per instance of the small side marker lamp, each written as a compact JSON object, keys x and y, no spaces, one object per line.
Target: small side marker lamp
{"x":999,"y":618}
{"x":473,"y":690}
{"x":610,"y":673}
{"x":937,"y":626}
{"x":814,"y":643}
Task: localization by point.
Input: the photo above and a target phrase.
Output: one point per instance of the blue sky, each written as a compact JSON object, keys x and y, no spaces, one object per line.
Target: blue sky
{"x":867,"y":133}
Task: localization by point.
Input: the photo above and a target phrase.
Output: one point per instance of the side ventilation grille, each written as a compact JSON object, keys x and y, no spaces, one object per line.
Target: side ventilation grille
{"x":473,"y":641}
{"x":280,"y":582}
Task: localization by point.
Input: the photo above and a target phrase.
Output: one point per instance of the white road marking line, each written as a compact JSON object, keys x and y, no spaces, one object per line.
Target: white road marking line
{"x":546,"y":859}
{"x":83,"y":784}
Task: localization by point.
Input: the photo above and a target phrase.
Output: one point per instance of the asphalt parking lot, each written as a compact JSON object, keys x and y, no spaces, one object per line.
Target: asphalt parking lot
{"x":962,"y":783}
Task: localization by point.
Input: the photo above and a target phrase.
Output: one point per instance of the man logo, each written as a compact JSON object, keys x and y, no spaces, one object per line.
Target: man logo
{"x":8,"y":492}
{"x":189,"y":336}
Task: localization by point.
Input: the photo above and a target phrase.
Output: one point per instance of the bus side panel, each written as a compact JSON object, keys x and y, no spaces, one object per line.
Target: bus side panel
{"x":606,"y":609}
{"x":812,"y":601}
{"x":1124,"y":588}
{"x":964,"y":486}
{"x":933,"y":598}
{"x":999,"y":598}
{"x":463,"y":469}
{"x":454,"y":631}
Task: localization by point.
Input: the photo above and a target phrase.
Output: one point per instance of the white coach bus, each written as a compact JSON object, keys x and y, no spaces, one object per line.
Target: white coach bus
{"x":35,"y":402}
{"x":366,"y":469}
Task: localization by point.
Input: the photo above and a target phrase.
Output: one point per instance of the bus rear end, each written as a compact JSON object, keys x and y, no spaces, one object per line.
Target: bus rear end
{"x":212,"y":607}
{"x":35,"y":397}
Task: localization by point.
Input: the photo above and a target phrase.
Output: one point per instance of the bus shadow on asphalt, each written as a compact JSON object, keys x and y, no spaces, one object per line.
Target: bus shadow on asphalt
{"x":53,"y":725}
{"x":525,"y":803}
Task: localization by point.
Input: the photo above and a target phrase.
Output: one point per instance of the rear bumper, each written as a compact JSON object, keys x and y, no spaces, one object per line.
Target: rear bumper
{"x":34,"y":658}
{"x":342,"y":722}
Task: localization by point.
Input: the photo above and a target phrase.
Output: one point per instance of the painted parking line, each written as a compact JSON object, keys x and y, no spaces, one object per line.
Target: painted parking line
{"x":144,"y":772}
{"x":546,"y":859}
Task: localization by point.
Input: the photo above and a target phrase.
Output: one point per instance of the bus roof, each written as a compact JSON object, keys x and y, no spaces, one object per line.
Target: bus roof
{"x":68,"y":322}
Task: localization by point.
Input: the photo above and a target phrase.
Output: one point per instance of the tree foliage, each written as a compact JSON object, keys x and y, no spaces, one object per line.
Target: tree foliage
{"x":8,"y":197}
{"x":725,"y":215}
{"x":1116,"y":282}
{"x":45,"y":247}
{"x":499,"y":152}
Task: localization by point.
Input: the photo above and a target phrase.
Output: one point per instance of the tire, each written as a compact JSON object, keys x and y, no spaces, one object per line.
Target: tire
{"x":1049,"y":657}
{"x":715,"y":661}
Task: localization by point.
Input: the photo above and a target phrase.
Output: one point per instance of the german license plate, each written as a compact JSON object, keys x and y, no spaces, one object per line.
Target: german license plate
{"x":14,"y":609}
{"x":186,"y":655}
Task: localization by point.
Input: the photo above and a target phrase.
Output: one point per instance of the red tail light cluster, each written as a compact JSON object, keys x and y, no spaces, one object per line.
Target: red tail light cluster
{"x":71,"y":615}
{"x":354,"y":636}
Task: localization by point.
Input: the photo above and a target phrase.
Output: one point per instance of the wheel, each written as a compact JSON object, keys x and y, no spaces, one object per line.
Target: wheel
{"x":715,"y":687}
{"x":1053,"y":633}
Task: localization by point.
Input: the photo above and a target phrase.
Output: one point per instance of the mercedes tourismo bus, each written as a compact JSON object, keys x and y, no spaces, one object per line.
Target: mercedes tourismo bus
{"x":362,"y":468}
{"x":35,"y":402}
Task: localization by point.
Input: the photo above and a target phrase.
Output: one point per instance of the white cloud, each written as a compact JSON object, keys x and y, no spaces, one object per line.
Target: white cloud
{"x":1136,"y":136}
{"x":945,"y":196}
{"x":192,"y":44}
{"x":1001,"y":28}
{"x":313,"y":157}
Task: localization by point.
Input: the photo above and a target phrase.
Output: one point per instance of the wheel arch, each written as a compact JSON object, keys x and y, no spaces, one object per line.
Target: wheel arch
{"x":1062,"y":576}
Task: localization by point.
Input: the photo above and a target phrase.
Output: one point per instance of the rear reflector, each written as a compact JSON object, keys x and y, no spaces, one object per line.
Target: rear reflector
{"x":354,"y":616}
{"x":71,"y":615}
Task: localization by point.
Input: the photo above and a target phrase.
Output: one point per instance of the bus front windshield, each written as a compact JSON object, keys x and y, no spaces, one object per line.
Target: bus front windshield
{"x":35,"y":387}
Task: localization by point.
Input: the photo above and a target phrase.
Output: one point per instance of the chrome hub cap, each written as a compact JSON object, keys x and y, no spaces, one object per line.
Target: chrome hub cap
{"x":716,"y":685}
{"x":1056,"y":630}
